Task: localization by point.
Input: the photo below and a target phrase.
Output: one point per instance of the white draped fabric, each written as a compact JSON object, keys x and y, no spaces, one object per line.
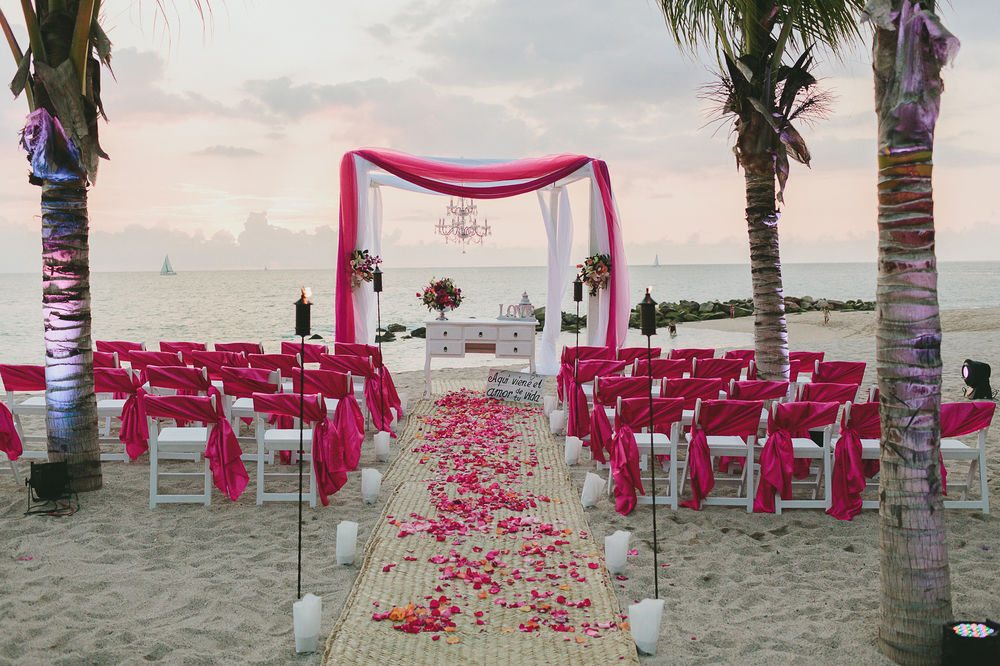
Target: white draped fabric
{"x":558,"y":219}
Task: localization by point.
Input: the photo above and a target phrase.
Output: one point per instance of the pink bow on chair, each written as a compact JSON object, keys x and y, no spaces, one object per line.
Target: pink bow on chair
{"x":10,"y":442}
{"x":625,"y":470}
{"x":848,"y":477}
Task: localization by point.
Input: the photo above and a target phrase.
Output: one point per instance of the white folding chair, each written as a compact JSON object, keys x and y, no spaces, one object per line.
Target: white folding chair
{"x":177,"y":444}
{"x":978,"y":416}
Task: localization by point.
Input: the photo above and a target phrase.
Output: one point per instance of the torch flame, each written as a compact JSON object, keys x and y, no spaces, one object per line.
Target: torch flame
{"x":306,"y":295}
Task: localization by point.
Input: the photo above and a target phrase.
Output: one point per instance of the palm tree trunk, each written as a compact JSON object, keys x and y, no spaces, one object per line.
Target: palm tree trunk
{"x":71,"y":417}
{"x":915,"y":579}
{"x":770,"y":329}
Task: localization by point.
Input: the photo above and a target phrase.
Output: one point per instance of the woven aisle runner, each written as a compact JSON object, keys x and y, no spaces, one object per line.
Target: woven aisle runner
{"x":485,"y":536}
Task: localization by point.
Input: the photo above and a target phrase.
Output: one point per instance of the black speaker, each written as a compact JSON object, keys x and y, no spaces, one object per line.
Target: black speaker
{"x":48,"y":481}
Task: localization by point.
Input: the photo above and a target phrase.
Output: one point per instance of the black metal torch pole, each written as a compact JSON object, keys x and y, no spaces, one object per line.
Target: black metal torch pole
{"x":647,"y":316}
{"x":577,"y":297}
{"x":377,"y":286}
{"x":302,"y":326}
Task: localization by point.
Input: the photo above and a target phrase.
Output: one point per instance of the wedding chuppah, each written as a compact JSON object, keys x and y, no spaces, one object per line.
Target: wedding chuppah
{"x":364,"y":172}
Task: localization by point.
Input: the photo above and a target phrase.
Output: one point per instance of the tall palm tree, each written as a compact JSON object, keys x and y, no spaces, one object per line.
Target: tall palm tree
{"x":764,"y":95}
{"x":909,"y":50}
{"x":59,"y":75}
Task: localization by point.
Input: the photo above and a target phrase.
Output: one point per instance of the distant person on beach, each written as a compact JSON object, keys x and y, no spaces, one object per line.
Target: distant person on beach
{"x":672,"y":328}
{"x":826,"y":316}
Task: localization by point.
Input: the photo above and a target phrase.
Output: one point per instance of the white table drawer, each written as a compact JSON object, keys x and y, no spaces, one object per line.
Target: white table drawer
{"x":445,"y":347}
{"x":480,"y":332}
{"x":512,"y":348}
{"x":444,"y":332}
{"x":517,"y":333}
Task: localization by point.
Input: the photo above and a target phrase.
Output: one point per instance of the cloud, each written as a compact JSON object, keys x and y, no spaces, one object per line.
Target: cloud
{"x":229,"y":151}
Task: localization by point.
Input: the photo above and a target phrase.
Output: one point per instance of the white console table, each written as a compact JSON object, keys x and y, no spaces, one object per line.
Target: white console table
{"x":454,"y":338}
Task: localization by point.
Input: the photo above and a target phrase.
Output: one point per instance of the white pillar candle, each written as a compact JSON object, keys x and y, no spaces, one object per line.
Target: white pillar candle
{"x":557,"y":421}
{"x":616,"y":551}
{"x":573,"y":447}
{"x":347,"y":541}
{"x":592,"y":487}
{"x":307,"y":614}
{"x":550,"y":402}
{"x":371,"y":484}
{"x":404,"y":400}
{"x":644,"y":619}
{"x":381,"y":446}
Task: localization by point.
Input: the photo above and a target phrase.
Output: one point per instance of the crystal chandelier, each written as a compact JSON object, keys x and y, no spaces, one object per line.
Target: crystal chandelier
{"x":460,"y":223}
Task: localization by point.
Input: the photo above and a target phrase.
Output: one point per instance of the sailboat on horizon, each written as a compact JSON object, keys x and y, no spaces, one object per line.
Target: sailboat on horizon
{"x":656,"y":260}
{"x":167,"y":268}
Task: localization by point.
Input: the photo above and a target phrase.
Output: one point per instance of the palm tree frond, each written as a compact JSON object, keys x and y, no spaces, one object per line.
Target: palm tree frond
{"x":34,"y":33}
{"x":80,"y":46}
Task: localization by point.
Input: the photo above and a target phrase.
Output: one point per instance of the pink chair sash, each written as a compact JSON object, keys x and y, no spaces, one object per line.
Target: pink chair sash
{"x":777,"y":460}
{"x":179,"y":378}
{"x":240,"y":347}
{"x":348,"y":421}
{"x":808,"y":359}
{"x":214,"y":361}
{"x":692,"y":390}
{"x":223,"y":451}
{"x":23,"y":377}
{"x":183,"y":347}
{"x":848,"y":477}
{"x":361,"y":366}
{"x":122,"y":347}
{"x":723,"y":368}
{"x":793,"y":370}
{"x":105,"y":360}
{"x":564,"y":379}
{"x":828,"y":392}
{"x":286,"y":364}
{"x":10,"y":441}
{"x":606,"y":394}
{"x":963,"y":418}
{"x":758,"y":389}
{"x":630,"y":354}
{"x":745,"y":355}
{"x":313,"y":351}
{"x":739,"y":418}
{"x":839,"y":372}
{"x":134,"y":431}
{"x":244,"y":382}
{"x":692,"y":353}
{"x":578,"y":417}
{"x":140,"y":360}
{"x":385,"y":377}
{"x":625,"y":470}
{"x":670,"y":368}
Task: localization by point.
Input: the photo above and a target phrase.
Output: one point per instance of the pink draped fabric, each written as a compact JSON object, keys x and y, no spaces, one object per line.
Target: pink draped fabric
{"x":223,"y":451}
{"x":348,"y":421}
{"x":286,"y":364}
{"x":10,"y":441}
{"x":630,"y":354}
{"x":214,"y":361}
{"x":239,"y":347}
{"x":692,"y":390}
{"x":178,"y":378}
{"x":123,"y":348}
{"x":134,"y":431}
{"x":839,"y":372}
{"x":328,"y":450}
{"x":244,"y":382}
{"x":105,"y":360}
{"x":183,"y":347}
{"x":361,"y":366}
{"x":607,"y":390}
{"x":692,"y":352}
{"x":863,"y":422}
{"x":745,"y":355}
{"x":140,"y":360}
{"x":963,"y":418}
{"x":669,"y":368}
{"x":827,"y":392}
{"x":25,"y":378}
{"x":448,"y":178}
{"x":777,"y":459}
{"x":793,"y":370}
{"x":625,"y":470}
{"x":564,"y":379}
{"x":758,"y":389}
{"x":739,"y":418}
{"x":808,"y":359}
{"x":313,"y":351}
{"x":386,"y":384}
{"x":578,"y":417}
{"x":725,"y":369}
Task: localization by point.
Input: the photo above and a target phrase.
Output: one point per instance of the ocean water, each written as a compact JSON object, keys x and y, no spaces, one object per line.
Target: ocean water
{"x":225,"y":306}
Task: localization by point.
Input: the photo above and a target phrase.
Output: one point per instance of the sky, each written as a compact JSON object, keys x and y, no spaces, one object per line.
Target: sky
{"x":225,"y":137}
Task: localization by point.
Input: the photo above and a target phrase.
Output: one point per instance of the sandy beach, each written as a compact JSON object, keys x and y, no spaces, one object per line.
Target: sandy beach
{"x":118,"y":583}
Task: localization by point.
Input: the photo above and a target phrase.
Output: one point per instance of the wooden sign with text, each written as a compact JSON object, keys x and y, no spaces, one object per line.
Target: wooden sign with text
{"x":515,"y":386}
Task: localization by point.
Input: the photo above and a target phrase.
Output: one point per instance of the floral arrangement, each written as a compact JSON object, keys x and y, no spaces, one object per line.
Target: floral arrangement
{"x":363,"y":265}
{"x":595,"y":272}
{"x":441,"y":295}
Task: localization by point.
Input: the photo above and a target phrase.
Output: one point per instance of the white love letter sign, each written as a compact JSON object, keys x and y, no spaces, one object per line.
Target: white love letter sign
{"x":515,"y":386}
